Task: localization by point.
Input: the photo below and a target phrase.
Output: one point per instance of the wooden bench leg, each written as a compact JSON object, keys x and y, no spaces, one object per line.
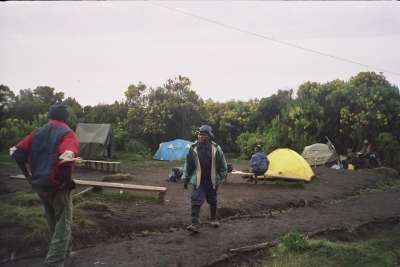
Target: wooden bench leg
{"x":108,"y":167}
{"x":102,"y":166}
{"x":97,"y":189}
{"x":84,"y":192}
{"x":87,"y":165}
{"x":113,"y":167}
{"x":160,"y":197}
{"x":95,"y":165}
{"x":119,"y":167}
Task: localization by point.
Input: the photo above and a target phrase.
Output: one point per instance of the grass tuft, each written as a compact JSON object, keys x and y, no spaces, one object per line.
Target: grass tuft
{"x":379,"y":251}
{"x":96,"y":206}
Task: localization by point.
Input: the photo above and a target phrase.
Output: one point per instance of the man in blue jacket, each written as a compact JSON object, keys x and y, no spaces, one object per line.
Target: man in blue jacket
{"x":205,"y":167}
{"x":50,"y":152}
{"x":259,"y":163}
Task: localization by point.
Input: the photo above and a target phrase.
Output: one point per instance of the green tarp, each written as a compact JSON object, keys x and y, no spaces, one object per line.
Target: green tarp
{"x":96,"y":141}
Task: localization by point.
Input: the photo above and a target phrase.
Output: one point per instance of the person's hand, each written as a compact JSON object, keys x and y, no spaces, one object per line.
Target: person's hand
{"x":29,"y":179}
{"x":65,"y":185}
{"x":185,"y":185}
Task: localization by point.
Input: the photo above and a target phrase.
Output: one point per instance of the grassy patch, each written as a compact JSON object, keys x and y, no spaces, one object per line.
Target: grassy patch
{"x":25,"y":198}
{"x":96,"y":206}
{"x":31,"y":220}
{"x":380,"y":251}
{"x":6,"y":161}
{"x":25,"y":211}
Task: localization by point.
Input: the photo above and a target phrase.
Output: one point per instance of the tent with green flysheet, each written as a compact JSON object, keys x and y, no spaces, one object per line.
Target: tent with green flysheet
{"x":320,"y":154}
{"x":96,"y":141}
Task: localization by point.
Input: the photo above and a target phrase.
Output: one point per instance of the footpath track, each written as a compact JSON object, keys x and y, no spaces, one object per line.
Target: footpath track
{"x":181,"y":248}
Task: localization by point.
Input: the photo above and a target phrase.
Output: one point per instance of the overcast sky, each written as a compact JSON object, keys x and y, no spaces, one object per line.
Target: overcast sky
{"x":94,"y":50}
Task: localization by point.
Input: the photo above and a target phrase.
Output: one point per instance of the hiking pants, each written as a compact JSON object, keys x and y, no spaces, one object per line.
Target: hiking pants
{"x":204,"y":192}
{"x":58,"y":207}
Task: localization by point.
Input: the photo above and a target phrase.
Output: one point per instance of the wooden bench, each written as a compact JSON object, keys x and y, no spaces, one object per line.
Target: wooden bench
{"x":161,"y":191}
{"x":266,"y":176}
{"x":109,"y":165}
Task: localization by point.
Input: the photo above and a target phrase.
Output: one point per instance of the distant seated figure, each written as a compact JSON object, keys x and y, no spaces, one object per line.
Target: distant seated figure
{"x":350,"y":159}
{"x":259,"y":163}
{"x":366,"y":149}
{"x":175,"y":174}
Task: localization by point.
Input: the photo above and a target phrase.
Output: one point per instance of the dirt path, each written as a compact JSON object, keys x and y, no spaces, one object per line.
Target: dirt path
{"x":181,"y":248}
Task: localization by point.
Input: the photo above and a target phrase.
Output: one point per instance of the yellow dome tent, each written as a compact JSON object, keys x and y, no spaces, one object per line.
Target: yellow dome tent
{"x":286,"y":163}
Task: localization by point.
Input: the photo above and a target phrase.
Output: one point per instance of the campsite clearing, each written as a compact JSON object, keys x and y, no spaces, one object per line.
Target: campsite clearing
{"x":153,"y":234}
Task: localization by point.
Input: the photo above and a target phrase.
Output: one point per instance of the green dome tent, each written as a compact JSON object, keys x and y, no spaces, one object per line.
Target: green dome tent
{"x":173,"y":150}
{"x":319,"y":154}
{"x":96,"y":141}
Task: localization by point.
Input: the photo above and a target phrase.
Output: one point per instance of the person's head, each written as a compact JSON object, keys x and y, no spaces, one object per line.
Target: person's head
{"x":175,"y":169}
{"x":204,"y":134}
{"x":60,"y":112}
{"x":349,"y":150}
{"x":257,"y":148}
{"x":365,"y":142}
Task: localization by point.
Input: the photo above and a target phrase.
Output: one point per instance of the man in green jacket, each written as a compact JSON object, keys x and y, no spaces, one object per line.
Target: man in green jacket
{"x":350,"y":159}
{"x":205,"y":167}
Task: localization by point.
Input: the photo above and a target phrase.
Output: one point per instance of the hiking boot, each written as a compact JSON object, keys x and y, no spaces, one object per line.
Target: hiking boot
{"x":214,"y":223}
{"x":194,"y":227}
{"x":70,"y":258}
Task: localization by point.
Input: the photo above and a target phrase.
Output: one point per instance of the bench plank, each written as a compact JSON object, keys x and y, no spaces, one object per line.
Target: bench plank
{"x":121,"y":186}
{"x":161,"y":191}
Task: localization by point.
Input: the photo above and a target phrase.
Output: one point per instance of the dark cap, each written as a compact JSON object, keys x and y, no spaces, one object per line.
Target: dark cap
{"x":59,"y":111}
{"x":207,"y":129}
{"x":258,"y":147}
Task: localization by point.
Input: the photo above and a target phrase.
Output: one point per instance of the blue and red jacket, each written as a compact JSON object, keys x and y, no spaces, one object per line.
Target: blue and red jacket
{"x":42,"y":148}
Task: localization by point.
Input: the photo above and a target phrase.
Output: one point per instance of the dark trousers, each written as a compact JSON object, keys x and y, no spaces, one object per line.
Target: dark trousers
{"x":205,"y":192}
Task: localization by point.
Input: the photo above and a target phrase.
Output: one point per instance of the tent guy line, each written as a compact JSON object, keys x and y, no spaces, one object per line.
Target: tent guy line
{"x":271,"y":39}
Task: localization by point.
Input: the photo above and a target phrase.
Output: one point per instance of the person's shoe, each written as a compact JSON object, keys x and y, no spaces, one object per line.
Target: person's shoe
{"x":250,"y":180}
{"x":214,"y":223}
{"x":70,"y":258}
{"x":194,"y":227}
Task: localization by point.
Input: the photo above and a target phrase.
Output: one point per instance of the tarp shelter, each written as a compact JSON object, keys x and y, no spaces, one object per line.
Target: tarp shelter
{"x":96,"y":141}
{"x":173,"y":150}
{"x":288,"y":163}
{"x":319,"y":154}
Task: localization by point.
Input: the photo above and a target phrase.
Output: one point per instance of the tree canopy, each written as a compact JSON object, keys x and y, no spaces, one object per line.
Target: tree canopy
{"x":366,"y":106}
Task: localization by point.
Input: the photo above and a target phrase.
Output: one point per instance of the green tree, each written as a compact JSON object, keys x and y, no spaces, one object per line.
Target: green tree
{"x":27,"y":106}
{"x":165,"y":113}
{"x":7,"y":99}
{"x":239,"y":117}
{"x":372,"y":106}
{"x":186,"y":107}
{"x":272,"y":106}
{"x":46,"y":95}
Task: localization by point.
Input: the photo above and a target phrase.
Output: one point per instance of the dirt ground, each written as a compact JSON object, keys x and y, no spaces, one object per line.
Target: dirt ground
{"x":154,"y":234}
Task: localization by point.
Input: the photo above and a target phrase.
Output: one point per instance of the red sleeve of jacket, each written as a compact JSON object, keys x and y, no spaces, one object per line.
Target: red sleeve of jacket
{"x":69,"y":142}
{"x":26,"y":143}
